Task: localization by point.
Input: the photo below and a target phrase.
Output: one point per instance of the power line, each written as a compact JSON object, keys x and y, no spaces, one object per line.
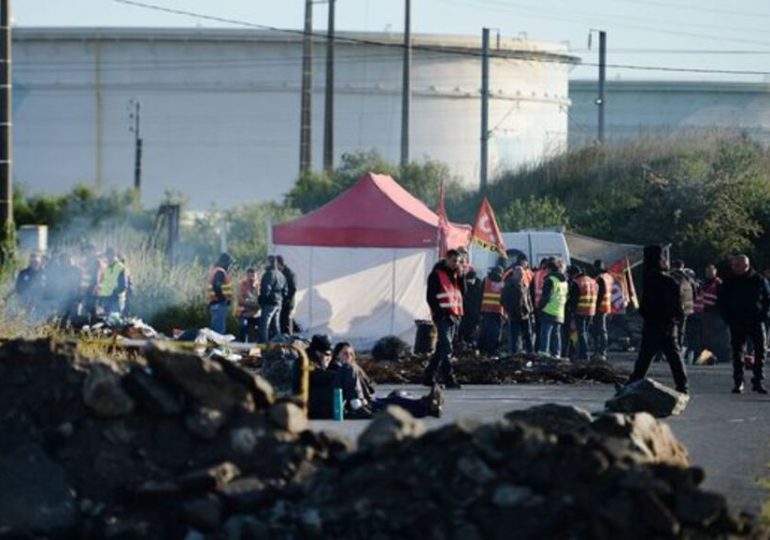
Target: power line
{"x":526,"y":56}
{"x":691,"y":7}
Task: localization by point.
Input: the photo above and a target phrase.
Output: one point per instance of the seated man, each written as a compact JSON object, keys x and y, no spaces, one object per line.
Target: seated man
{"x":340,"y":370}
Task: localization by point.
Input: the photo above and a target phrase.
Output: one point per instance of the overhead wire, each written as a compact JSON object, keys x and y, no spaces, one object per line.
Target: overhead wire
{"x":444,"y":50}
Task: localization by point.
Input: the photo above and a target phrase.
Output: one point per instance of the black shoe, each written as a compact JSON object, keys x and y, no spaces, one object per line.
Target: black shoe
{"x":435,"y":399}
{"x":759,"y":388}
{"x":738,"y":388}
{"x":683,"y":390}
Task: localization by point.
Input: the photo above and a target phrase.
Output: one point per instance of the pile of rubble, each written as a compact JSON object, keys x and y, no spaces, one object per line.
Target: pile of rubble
{"x":547,"y":472}
{"x":91,"y":449}
{"x":471,"y":368}
{"x":180,"y":446}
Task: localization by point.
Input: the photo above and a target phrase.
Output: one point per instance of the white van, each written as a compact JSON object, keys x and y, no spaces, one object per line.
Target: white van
{"x":535,"y":245}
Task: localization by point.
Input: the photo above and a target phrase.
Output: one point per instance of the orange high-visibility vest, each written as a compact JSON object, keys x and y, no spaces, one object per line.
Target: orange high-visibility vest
{"x":450,"y":296}
{"x":605,"y":302}
{"x":490,"y":301}
{"x":227,"y":287}
{"x":589,"y":290}
{"x":538,"y":277}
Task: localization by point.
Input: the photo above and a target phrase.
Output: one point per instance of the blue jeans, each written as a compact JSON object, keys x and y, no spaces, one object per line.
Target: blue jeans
{"x":520,"y":330}
{"x":269,"y":322}
{"x":582,"y":324}
{"x":445,"y":329}
{"x":218,"y":312}
{"x":247,"y":329}
{"x":549,"y":327}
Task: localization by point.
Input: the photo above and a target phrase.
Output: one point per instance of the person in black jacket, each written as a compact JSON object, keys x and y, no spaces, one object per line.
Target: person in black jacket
{"x":517,"y":303}
{"x":287,"y":306}
{"x":744,"y":302}
{"x":272,"y":291}
{"x":661,"y":311}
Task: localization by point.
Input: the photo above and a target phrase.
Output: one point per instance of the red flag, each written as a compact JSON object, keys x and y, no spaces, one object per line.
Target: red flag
{"x":486,"y":233}
{"x":443,"y":223}
{"x":632,"y":297}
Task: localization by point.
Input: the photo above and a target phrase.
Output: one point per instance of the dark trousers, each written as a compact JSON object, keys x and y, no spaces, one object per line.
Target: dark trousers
{"x":600,"y":334}
{"x":681,"y":328}
{"x":693,"y":337}
{"x":286,"y":323}
{"x":247,"y":329}
{"x":715,"y":335}
{"x":655,"y":339}
{"x":549,"y":340}
{"x":582,"y":325}
{"x":521,"y":331}
{"x":489,"y":338}
{"x":739,"y":334}
{"x":445,"y":333}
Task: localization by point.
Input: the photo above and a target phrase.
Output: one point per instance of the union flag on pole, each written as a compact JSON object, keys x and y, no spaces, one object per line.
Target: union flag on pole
{"x":486,"y":233}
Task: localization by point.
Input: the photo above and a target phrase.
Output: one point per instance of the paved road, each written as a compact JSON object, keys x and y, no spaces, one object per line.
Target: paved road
{"x":727,"y":435}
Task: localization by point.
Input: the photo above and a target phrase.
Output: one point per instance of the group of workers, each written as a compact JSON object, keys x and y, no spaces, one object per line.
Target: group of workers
{"x":541,"y":308}
{"x":264,"y":303}
{"x":75,"y":290}
{"x":556,"y":313}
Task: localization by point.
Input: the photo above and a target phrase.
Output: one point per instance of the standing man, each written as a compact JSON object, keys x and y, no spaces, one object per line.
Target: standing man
{"x":111,"y":290}
{"x":552,"y":306}
{"x":472,"y":296}
{"x":661,"y":311}
{"x":714,"y":332}
{"x":491,"y":312}
{"x":688,"y":288}
{"x":248,"y":306}
{"x":517,"y":303}
{"x":219,"y":293}
{"x":445,"y":299}
{"x":272,"y":291}
{"x":536,"y":290}
{"x":30,"y":284}
{"x":287,"y":307}
{"x":603,"y":308}
{"x":586,"y":290}
{"x":90,"y":269}
{"x":744,"y":301}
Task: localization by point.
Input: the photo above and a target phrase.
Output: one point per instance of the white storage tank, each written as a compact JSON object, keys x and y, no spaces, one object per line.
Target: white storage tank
{"x":220,"y":108}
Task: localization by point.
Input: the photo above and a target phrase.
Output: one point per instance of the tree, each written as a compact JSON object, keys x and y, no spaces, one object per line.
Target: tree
{"x":533,"y":213}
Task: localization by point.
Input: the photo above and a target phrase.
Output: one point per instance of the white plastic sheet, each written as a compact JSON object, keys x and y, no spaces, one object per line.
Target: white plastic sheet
{"x":360,"y":294}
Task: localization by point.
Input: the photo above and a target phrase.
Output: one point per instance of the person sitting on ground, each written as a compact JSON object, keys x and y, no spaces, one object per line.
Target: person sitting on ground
{"x":339,"y":369}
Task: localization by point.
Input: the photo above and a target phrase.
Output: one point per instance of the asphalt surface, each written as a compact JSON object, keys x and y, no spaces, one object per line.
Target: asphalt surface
{"x":728,"y":435}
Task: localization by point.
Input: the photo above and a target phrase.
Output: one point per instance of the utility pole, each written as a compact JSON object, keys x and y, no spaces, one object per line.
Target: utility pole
{"x":135,"y":117}
{"x":484,"y":110}
{"x":406,"y":89}
{"x":602,"y":78}
{"x":329,"y":109}
{"x":7,"y":228}
{"x":307,"y":91}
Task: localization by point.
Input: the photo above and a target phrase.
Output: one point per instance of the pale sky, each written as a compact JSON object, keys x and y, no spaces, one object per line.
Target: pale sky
{"x":676,"y":34}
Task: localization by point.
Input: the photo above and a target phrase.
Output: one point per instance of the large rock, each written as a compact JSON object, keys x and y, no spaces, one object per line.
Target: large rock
{"x":201,"y":379}
{"x":392,"y":425}
{"x":390,"y":348}
{"x":646,"y":439}
{"x":553,"y":418}
{"x":35,"y":498}
{"x":288,"y":416}
{"x":103,"y":393}
{"x":152,"y":396}
{"x":261,"y":390}
{"x":647,"y":395}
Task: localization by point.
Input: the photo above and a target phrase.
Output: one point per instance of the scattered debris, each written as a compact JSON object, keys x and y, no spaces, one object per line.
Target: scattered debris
{"x":471,"y":368}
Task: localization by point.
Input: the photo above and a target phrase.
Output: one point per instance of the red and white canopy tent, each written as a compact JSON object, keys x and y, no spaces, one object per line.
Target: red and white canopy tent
{"x":362,"y":261}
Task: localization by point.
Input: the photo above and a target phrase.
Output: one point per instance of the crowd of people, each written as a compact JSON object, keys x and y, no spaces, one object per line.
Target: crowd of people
{"x":563,"y":312}
{"x":75,"y":290}
{"x":264,"y":304}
